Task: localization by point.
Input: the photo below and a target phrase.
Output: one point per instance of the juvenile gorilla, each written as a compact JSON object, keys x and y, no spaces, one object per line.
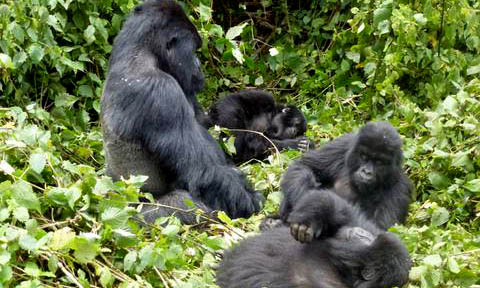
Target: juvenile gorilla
{"x":348,"y":252}
{"x":364,"y":168}
{"x":256,"y":110}
{"x":150,"y":116}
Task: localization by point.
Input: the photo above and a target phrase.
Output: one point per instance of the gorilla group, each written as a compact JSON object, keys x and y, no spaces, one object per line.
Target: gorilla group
{"x":348,"y":251}
{"x":364,"y":168}
{"x":150,"y":117}
{"x":255,"y":110}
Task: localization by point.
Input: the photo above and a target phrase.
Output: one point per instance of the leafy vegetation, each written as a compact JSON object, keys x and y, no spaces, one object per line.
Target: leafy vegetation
{"x":413,"y":63}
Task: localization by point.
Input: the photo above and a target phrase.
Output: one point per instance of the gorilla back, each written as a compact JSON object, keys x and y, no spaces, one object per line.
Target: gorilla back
{"x":150,"y":112}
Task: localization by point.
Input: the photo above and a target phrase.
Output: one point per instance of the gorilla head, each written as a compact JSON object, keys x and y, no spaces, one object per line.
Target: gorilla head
{"x":287,"y":123}
{"x":375,"y":157}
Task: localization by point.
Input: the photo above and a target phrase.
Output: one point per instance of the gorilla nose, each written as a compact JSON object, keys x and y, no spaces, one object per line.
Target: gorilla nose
{"x":366,"y":173}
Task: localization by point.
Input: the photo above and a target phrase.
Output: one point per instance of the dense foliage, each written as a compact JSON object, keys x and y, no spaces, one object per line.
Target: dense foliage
{"x":413,"y":63}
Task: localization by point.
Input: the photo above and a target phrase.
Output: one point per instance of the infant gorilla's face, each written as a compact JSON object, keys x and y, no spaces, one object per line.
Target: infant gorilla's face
{"x":287,"y":123}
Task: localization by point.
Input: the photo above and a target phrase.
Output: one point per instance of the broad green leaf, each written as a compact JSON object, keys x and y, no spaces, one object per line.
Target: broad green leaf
{"x":416,"y":273}
{"x":21,"y":214}
{"x":89,"y":34}
{"x":85,"y":246}
{"x":129,"y":259}
{"x":473,"y":185}
{"x":440,"y":216}
{"x":32,"y":270}
{"x":6,"y":61}
{"x":453,"y":265}
{"x":205,"y":13}
{"x":115,"y":217}
{"x":235,"y":31}
{"x":259,"y":80}
{"x":433,"y":260}
{"x":438,"y":180}
{"x":62,"y":238}
{"x":473,"y":70}
{"x":24,"y":196}
{"x":170,"y":230}
{"x":5,"y":256}
{"x":27,"y":242}
{"x":354,"y":56}
{"x":36,"y":53}
{"x":37,"y":162}
{"x":420,"y":18}
{"x":6,"y":168}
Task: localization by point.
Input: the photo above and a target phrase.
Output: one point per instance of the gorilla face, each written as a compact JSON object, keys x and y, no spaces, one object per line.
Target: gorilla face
{"x":375,"y":156}
{"x":287,"y":123}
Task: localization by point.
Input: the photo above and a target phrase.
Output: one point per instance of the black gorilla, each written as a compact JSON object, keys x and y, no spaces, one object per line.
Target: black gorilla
{"x":150,"y":115}
{"x":365,"y":168}
{"x":256,"y":110}
{"x":348,"y":252}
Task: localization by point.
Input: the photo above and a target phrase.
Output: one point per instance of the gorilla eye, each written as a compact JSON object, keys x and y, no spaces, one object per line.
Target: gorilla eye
{"x":363,"y":156}
{"x":285,"y":110}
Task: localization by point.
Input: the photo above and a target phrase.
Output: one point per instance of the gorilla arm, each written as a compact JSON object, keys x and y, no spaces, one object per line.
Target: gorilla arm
{"x":394,"y":207}
{"x":313,"y":170}
{"x":164,"y":121}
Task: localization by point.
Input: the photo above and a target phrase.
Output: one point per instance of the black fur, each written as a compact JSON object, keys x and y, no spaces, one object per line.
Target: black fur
{"x":255,"y":110}
{"x":150,"y":115}
{"x":364,"y":168}
{"x":351,"y":252}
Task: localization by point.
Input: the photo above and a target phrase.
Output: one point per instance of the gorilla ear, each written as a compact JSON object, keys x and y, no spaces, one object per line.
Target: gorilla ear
{"x":368,"y":273}
{"x":171,"y":43}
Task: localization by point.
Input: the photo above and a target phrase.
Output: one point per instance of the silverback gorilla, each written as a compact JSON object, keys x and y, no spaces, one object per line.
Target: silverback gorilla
{"x":150,"y":116}
{"x":364,"y":168}
{"x":348,"y":251}
{"x":256,"y":110}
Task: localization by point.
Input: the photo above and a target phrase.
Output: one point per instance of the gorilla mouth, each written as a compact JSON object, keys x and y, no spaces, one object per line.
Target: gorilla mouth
{"x":365,"y":178}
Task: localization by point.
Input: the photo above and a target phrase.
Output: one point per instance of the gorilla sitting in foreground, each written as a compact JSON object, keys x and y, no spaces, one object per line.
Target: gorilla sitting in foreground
{"x":364,"y":168}
{"x":150,"y":117}
{"x":255,"y":110}
{"x":348,"y":251}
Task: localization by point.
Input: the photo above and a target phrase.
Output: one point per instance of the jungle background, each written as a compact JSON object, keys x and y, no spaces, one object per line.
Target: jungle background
{"x":415,"y":63}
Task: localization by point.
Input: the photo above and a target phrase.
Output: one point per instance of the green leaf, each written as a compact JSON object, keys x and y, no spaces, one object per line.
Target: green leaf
{"x":440,"y":216}
{"x":85,"y":247}
{"x":420,"y":18}
{"x":473,"y":185}
{"x":36,"y":53}
{"x":85,"y":90}
{"x":473,"y":70}
{"x":32,"y":270}
{"x":433,"y":260}
{"x":6,"y":61}
{"x":453,"y":265}
{"x":24,"y":196}
{"x":65,"y":100}
{"x":259,"y":80}
{"x":438,"y":180}
{"x":170,"y":230}
{"x":354,"y":56}
{"x":4,"y":257}
{"x":62,"y":238}
{"x":53,"y":21}
{"x":129,"y":260}
{"x":21,"y":214}
{"x":235,"y":31}
{"x":205,"y":13}
{"x":89,"y":34}
{"x":115,"y":217}
{"x":37,"y":162}
{"x":27,"y":242}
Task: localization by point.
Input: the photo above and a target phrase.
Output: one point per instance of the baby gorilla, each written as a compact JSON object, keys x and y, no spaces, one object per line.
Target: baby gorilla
{"x":255,"y":110}
{"x":350,"y":251}
{"x":364,"y":168}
